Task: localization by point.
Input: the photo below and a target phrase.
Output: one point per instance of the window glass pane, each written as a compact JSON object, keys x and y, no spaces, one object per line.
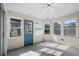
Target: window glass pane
{"x":15,"y":23}
{"x":57,"y":29}
{"x":15,"y":28}
{"x":47,"y":29}
{"x":56,"y":25}
{"x":47,"y":26}
{"x":69,"y":27}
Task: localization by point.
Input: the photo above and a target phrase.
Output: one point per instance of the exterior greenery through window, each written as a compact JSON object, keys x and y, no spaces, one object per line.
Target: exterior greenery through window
{"x":57,"y":29}
{"x":69,"y":27}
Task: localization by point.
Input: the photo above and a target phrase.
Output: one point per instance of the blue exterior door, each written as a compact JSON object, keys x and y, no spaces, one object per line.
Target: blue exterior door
{"x":28,"y":32}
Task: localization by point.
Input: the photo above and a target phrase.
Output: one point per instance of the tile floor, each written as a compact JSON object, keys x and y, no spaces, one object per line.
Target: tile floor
{"x":70,"y":51}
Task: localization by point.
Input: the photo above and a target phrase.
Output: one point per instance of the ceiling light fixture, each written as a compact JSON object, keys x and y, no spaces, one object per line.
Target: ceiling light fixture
{"x":48,"y":5}
{"x":48,"y":8}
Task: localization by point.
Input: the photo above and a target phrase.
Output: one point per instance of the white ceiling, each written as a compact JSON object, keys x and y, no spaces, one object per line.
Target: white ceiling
{"x":40,"y":10}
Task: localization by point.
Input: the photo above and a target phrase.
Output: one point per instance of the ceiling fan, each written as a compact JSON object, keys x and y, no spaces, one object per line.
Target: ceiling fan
{"x":48,"y":5}
{"x":48,"y":9}
{"x":51,"y":5}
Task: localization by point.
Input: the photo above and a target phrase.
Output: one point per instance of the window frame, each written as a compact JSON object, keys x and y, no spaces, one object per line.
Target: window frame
{"x":15,"y":27}
{"x":46,"y":29}
{"x":70,"y":28}
{"x":22,"y":27}
{"x":59,"y":28}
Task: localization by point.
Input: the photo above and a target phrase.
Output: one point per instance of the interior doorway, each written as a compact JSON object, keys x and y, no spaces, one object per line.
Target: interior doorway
{"x":28,"y":32}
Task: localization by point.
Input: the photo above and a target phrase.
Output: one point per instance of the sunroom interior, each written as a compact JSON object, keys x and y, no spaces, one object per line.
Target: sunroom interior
{"x":41,"y":29}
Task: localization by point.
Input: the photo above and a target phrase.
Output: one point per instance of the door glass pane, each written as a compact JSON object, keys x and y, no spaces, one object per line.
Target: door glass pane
{"x":28,"y":27}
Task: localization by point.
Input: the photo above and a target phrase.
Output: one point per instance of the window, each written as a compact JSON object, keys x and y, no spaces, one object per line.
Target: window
{"x":47,"y":29}
{"x":15,"y":27}
{"x":69,"y":27}
{"x":57,"y":29}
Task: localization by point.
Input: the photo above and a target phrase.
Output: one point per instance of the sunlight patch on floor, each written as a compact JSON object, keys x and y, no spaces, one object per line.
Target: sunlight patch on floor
{"x":53,"y":45}
{"x":30,"y":53}
{"x":62,"y":47}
